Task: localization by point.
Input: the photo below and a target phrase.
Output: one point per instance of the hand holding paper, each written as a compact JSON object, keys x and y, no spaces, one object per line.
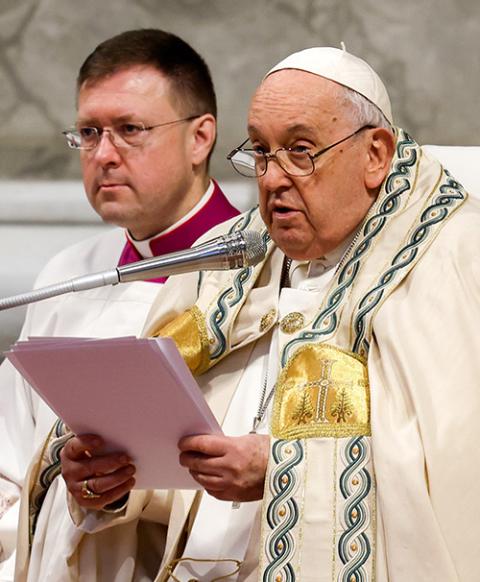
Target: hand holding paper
{"x":229,"y":468}
{"x":138,"y":394}
{"x":85,"y":469}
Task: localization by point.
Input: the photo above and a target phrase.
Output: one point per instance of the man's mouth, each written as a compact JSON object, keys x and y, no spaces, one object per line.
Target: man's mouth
{"x":283,"y":210}
{"x":111,"y":186}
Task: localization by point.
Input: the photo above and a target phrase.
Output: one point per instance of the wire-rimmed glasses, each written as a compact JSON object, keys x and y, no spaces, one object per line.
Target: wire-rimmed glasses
{"x":295,"y":161}
{"x":122,"y":135}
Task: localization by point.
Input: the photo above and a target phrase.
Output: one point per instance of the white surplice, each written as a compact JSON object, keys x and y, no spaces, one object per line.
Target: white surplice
{"x":103,"y":312}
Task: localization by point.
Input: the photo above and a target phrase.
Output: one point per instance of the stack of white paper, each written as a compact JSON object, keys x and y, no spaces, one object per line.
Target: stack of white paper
{"x":138,"y":394}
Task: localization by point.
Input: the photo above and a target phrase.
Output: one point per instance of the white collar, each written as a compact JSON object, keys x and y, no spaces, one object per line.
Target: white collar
{"x":143,"y":246}
{"x":302,"y":270}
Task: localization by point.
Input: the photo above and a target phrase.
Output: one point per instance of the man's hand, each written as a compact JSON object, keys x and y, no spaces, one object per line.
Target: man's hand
{"x":229,"y":468}
{"x":85,"y":468}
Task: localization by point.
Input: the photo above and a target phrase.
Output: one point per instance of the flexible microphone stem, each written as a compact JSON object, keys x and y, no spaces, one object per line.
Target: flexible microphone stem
{"x":77,"y":284}
{"x":232,"y":251}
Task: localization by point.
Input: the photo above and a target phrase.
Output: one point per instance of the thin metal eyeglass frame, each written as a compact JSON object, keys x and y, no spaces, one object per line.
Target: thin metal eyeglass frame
{"x":273,"y":155}
{"x":100,"y":131}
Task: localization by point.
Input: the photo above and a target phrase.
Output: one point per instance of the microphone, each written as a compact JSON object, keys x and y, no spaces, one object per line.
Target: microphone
{"x":232,"y":251}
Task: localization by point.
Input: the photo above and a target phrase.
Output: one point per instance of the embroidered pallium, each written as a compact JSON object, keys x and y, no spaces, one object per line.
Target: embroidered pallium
{"x":355,"y":482}
{"x":233,"y":295}
{"x":451,"y":196}
{"x":283,"y":512}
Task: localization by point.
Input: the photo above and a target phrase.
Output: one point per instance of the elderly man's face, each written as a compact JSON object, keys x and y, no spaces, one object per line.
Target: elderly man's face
{"x":309,"y":216}
{"x":144,"y":188}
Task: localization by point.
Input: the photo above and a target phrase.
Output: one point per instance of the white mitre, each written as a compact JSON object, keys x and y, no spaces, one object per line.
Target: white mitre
{"x":341,"y":67}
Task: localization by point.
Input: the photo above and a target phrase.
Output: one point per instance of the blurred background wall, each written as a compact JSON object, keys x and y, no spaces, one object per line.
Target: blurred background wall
{"x":426,"y":51}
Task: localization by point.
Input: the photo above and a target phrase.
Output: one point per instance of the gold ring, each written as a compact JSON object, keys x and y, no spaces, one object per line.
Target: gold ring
{"x":87,"y":493}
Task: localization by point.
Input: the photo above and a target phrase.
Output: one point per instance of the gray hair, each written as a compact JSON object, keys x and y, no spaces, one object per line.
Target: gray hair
{"x":361,"y":110}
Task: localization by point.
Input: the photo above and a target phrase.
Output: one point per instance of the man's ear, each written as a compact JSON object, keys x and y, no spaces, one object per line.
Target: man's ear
{"x":381,"y":146}
{"x":204,"y":132}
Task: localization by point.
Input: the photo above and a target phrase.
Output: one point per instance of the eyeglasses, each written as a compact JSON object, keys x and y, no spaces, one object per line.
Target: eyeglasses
{"x":295,"y":161}
{"x":122,"y":135}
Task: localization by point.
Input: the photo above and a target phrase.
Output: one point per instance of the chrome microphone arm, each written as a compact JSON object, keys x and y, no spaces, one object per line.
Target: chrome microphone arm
{"x":78,"y":284}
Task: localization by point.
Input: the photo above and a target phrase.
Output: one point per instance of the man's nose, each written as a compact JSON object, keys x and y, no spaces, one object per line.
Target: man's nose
{"x":275,"y":176}
{"x":106,"y":153}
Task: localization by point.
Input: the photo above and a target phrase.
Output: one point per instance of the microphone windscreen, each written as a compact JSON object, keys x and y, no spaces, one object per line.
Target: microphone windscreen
{"x":254,"y":248}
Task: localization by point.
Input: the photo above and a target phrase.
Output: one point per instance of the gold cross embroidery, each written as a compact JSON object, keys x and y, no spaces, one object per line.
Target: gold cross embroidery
{"x":324,"y":384}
